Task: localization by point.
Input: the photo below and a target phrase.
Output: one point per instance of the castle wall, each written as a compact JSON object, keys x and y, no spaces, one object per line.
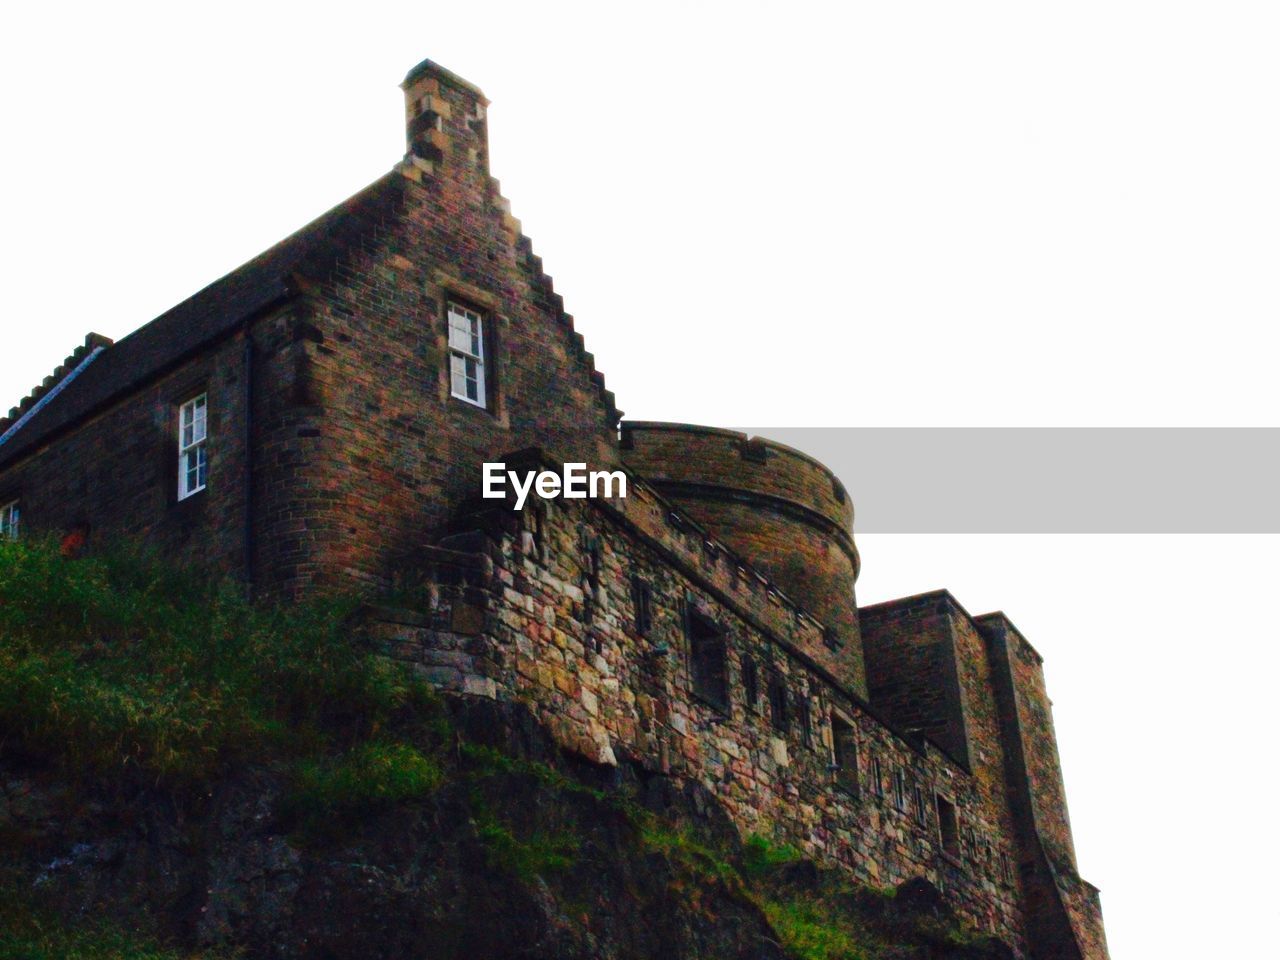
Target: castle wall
{"x":783,"y":511}
{"x":548,"y":614}
{"x":913,"y":669}
{"x":1064,"y":911}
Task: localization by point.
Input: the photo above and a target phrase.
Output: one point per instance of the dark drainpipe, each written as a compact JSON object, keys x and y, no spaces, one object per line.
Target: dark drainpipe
{"x":248,"y":461}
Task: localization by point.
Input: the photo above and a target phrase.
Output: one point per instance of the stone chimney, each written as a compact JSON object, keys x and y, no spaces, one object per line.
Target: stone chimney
{"x":444,"y":121}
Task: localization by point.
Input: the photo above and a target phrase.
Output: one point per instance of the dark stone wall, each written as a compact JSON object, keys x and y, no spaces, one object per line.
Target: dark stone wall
{"x":787,"y":514}
{"x":116,"y":474}
{"x":912,"y":669}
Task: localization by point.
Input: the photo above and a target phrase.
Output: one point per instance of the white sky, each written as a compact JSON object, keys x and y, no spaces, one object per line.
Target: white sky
{"x":798,"y":214}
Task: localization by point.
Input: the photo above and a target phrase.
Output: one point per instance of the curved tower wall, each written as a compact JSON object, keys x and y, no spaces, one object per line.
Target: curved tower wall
{"x":780,"y":509}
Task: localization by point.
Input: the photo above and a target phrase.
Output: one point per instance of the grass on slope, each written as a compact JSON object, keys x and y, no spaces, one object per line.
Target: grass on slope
{"x":123,"y":665}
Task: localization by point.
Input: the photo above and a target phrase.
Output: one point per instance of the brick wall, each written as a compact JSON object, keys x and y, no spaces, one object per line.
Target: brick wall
{"x":116,"y":474}
{"x":396,"y":454}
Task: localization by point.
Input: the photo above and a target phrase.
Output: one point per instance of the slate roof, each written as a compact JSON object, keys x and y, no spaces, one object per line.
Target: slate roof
{"x":214,"y":312}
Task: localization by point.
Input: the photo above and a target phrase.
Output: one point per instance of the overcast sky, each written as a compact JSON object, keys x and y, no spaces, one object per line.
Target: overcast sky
{"x":978,"y":214}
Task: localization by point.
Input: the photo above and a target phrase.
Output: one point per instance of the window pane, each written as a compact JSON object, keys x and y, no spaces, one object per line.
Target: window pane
{"x":459,"y":334}
{"x":465,"y":330}
{"x":458,"y":374}
{"x":480,"y":397}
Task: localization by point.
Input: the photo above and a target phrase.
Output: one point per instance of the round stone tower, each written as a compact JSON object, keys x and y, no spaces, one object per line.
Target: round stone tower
{"x":781,"y":510}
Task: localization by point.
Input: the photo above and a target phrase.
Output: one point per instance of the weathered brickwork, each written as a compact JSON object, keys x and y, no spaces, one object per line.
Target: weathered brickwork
{"x":115,"y":476}
{"x":704,"y":627}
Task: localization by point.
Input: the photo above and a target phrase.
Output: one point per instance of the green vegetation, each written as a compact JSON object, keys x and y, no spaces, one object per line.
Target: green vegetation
{"x":120,"y":664}
{"x":761,"y":856}
{"x":538,"y":853}
{"x":29,"y":933}
{"x":369,"y":776}
{"x":810,"y":931}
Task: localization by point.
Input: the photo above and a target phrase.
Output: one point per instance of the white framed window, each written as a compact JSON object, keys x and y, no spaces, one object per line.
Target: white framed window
{"x":10,"y":518}
{"x":193,"y":436}
{"x":466,"y":354}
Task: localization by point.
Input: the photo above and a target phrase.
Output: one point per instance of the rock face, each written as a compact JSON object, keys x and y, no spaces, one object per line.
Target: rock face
{"x":520,"y":852}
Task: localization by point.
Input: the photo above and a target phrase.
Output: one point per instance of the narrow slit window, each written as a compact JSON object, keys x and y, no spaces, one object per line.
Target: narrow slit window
{"x":193,"y":437}
{"x":466,"y":354}
{"x":778,"y":704}
{"x":642,"y":597}
{"x":844,"y":756}
{"x":917,"y":803}
{"x":900,"y":790}
{"x":10,"y":521}
{"x":948,"y":826}
{"x":805,"y":714}
{"x":750,"y":683}
{"x":708,"y":656}
{"x":877,"y":777}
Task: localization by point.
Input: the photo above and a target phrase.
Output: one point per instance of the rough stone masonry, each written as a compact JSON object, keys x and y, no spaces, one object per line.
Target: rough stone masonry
{"x":352,"y":381}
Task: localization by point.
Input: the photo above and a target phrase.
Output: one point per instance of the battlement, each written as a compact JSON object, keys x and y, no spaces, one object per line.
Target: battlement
{"x":677,"y":454}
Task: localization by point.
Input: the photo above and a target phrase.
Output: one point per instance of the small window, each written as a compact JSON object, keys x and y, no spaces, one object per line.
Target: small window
{"x":900,"y":790}
{"x":707,"y":660}
{"x":778,"y":704}
{"x":193,"y":435}
{"x":750,"y":683}
{"x":642,"y":598}
{"x":948,"y":827}
{"x":10,"y":521}
{"x":533,"y":519}
{"x":844,"y":755}
{"x":1006,"y":871}
{"x":466,"y":354}
{"x":917,"y":803}
{"x":877,"y":777}
{"x":805,"y":713}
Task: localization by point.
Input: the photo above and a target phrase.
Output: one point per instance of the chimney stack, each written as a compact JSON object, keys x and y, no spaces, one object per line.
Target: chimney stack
{"x":444,"y":121}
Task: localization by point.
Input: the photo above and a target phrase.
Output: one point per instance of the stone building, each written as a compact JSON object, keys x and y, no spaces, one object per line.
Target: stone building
{"x":319,"y":418}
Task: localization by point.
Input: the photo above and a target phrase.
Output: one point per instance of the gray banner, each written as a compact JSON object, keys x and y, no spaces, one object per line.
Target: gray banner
{"x":1051,"y":480}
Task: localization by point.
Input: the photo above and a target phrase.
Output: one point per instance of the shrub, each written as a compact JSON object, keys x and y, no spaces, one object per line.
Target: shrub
{"x":761,"y":855}
{"x":370,"y":776}
{"x":120,"y":662}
